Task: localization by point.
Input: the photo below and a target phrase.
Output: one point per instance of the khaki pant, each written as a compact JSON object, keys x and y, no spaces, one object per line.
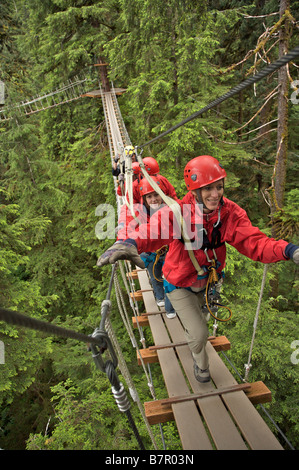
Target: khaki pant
{"x":188,"y":306}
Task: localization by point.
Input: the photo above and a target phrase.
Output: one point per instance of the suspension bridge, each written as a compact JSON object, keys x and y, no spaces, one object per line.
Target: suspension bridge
{"x":216,"y":415}
{"x":70,"y":91}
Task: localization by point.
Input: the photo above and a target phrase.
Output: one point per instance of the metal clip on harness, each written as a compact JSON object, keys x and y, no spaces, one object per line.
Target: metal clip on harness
{"x":212,"y":295}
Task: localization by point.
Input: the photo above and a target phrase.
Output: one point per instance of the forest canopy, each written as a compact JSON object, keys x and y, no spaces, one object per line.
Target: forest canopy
{"x":172,"y":58}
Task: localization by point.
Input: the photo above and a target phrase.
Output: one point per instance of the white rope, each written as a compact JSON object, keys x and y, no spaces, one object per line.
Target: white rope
{"x":122,"y":307}
{"x":248,"y":365}
{"x":112,"y":114}
{"x":133,"y":301}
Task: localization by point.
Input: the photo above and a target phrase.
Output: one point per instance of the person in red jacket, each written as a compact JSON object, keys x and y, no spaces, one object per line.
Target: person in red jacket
{"x":212,"y":221}
{"x":152,"y":167}
{"x":154,"y":261}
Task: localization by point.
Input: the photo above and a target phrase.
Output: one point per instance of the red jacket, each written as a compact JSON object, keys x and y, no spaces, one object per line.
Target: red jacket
{"x":136,"y":192}
{"x":126,"y":221}
{"x":236,"y":229}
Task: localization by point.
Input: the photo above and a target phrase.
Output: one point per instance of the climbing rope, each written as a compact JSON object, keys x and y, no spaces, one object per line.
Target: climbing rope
{"x":160,"y":252}
{"x":127,"y":376}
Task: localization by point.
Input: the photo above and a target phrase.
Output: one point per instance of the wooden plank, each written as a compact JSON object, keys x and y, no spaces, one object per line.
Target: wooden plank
{"x":150,"y":355}
{"x":259,"y":393}
{"x":159,"y":412}
{"x":219,"y":343}
{"x":212,"y":393}
{"x":190,"y":427}
{"x":254,"y":429}
{"x":132,"y":275}
{"x":137,"y":295}
{"x":147,"y":356}
{"x":141,"y":320}
{"x":156,"y":413}
{"x":98,"y":93}
{"x":225,"y":434}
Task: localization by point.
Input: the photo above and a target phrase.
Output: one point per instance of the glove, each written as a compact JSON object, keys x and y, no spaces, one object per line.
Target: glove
{"x":296,"y":256}
{"x":292,"y":251}
{"x":121,"y":250}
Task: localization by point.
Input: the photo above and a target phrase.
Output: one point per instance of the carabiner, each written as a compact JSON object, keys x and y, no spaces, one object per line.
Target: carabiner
{"x":98,"y":349}
{"x":207,"y":256}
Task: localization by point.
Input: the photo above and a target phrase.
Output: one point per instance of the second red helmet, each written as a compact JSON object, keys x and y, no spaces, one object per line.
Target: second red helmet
{"x":136,"y":168}
{"x":151,"y":165}
{"x":145,"y":187}
{"x":201,"y":171}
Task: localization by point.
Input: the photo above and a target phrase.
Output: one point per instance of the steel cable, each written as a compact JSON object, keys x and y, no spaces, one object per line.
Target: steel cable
{"x":246,"y":83}
{"x":15,"y":318}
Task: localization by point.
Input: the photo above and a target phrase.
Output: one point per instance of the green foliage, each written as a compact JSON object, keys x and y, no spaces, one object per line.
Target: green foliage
{"x":83,"y":422}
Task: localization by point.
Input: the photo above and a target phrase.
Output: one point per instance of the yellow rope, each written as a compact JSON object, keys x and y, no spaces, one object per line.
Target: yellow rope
{"x":159,"y":253}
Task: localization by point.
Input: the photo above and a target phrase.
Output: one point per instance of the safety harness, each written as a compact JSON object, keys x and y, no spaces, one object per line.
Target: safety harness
{"x":214,"y":282}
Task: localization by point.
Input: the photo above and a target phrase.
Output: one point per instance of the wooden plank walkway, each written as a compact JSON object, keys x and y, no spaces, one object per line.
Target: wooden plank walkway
{"x":226,"y":422}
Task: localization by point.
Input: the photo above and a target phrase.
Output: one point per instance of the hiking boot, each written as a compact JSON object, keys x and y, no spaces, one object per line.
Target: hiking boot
{"x":201,"y":375}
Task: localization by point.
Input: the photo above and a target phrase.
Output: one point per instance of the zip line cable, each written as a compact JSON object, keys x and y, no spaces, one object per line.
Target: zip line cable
{"x":18,"y":319}
{"x":249,"y":81}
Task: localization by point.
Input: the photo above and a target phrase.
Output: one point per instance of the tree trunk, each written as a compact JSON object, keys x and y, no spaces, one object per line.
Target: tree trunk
{"x":282,"y":127}
{"x":279,"y":176}
{"x":104,"y":74}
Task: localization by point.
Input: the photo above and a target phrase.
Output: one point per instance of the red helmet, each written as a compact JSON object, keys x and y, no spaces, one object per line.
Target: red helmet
{"x":203,"y":170}
{"x":145,"y":187}
{"x":136,"y":168}
{"x":151,"y":165}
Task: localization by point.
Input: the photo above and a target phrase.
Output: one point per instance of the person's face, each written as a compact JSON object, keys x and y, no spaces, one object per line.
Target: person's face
{"x":211,"y":195}
{"x":153,"y":200}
